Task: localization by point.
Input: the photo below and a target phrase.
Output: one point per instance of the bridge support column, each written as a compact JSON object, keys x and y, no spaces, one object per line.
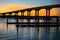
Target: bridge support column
{"x":17,"y":33}
{"x":28,"y":14}
{"x":48,"y":19}
{"x":17,"y":25}
{"x":4,"y":14}
{"x":57,"y":28}
{"x":48,"y":22}
{"x":22,"y":13}
{"x":37,"y":12}
{"x":7,"y":25}
{"x":10,"y":14}
{"x":37,"y":20}
{"x":28,"y":22}
{"x":7,"y":22}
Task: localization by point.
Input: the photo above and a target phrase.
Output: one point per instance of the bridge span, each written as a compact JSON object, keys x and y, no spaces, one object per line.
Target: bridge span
{"x":37,"y":17}
{"x":47,"y":20}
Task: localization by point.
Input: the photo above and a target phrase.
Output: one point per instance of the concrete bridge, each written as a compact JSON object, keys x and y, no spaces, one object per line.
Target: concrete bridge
{"x":47,"y":19}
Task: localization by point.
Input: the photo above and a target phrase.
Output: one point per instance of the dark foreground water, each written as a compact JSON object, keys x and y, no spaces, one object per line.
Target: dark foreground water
{"x":26,"y":33}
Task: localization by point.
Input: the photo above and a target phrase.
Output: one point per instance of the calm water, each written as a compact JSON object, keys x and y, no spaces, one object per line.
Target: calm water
{"x":25,"y":33}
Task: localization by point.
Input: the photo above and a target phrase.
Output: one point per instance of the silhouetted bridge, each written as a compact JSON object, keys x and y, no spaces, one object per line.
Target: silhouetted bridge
{"x":46,"y":19}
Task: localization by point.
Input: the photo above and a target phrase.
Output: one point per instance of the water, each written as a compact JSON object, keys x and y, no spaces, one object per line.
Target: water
{"x":25,"y":33}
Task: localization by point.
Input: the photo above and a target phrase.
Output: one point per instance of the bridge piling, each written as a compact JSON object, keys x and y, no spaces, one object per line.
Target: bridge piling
{"x":28,"y":14}
{"x":57,"y":28}
{"x":17,"y":25}
{"x":48,"y":21}
{"x":4,"y":14}
{"x":37,"y":20}
{"x":17,"y":32}
{"x":7,"y":23}
{"x":22,"y":13}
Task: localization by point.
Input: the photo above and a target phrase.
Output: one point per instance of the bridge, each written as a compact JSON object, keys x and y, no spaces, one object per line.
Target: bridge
{"x":46,"y":19}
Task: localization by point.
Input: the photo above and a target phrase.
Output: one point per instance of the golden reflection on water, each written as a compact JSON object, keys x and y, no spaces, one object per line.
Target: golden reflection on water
{"x":2,"y":28}
{"x":31,"y":32}
{"x":11,"y":27}
{"x":25,"y":20}
{"x":25,"y":30}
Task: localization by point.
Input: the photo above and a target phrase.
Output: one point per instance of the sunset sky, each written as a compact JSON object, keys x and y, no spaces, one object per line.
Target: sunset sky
{"x":11,"y":5}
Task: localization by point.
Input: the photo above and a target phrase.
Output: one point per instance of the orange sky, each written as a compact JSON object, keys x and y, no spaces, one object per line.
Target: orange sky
{"x":12,"y":7}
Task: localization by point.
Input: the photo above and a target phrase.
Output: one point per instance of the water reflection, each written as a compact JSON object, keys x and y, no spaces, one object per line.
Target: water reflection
{"x":26,"y":33}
